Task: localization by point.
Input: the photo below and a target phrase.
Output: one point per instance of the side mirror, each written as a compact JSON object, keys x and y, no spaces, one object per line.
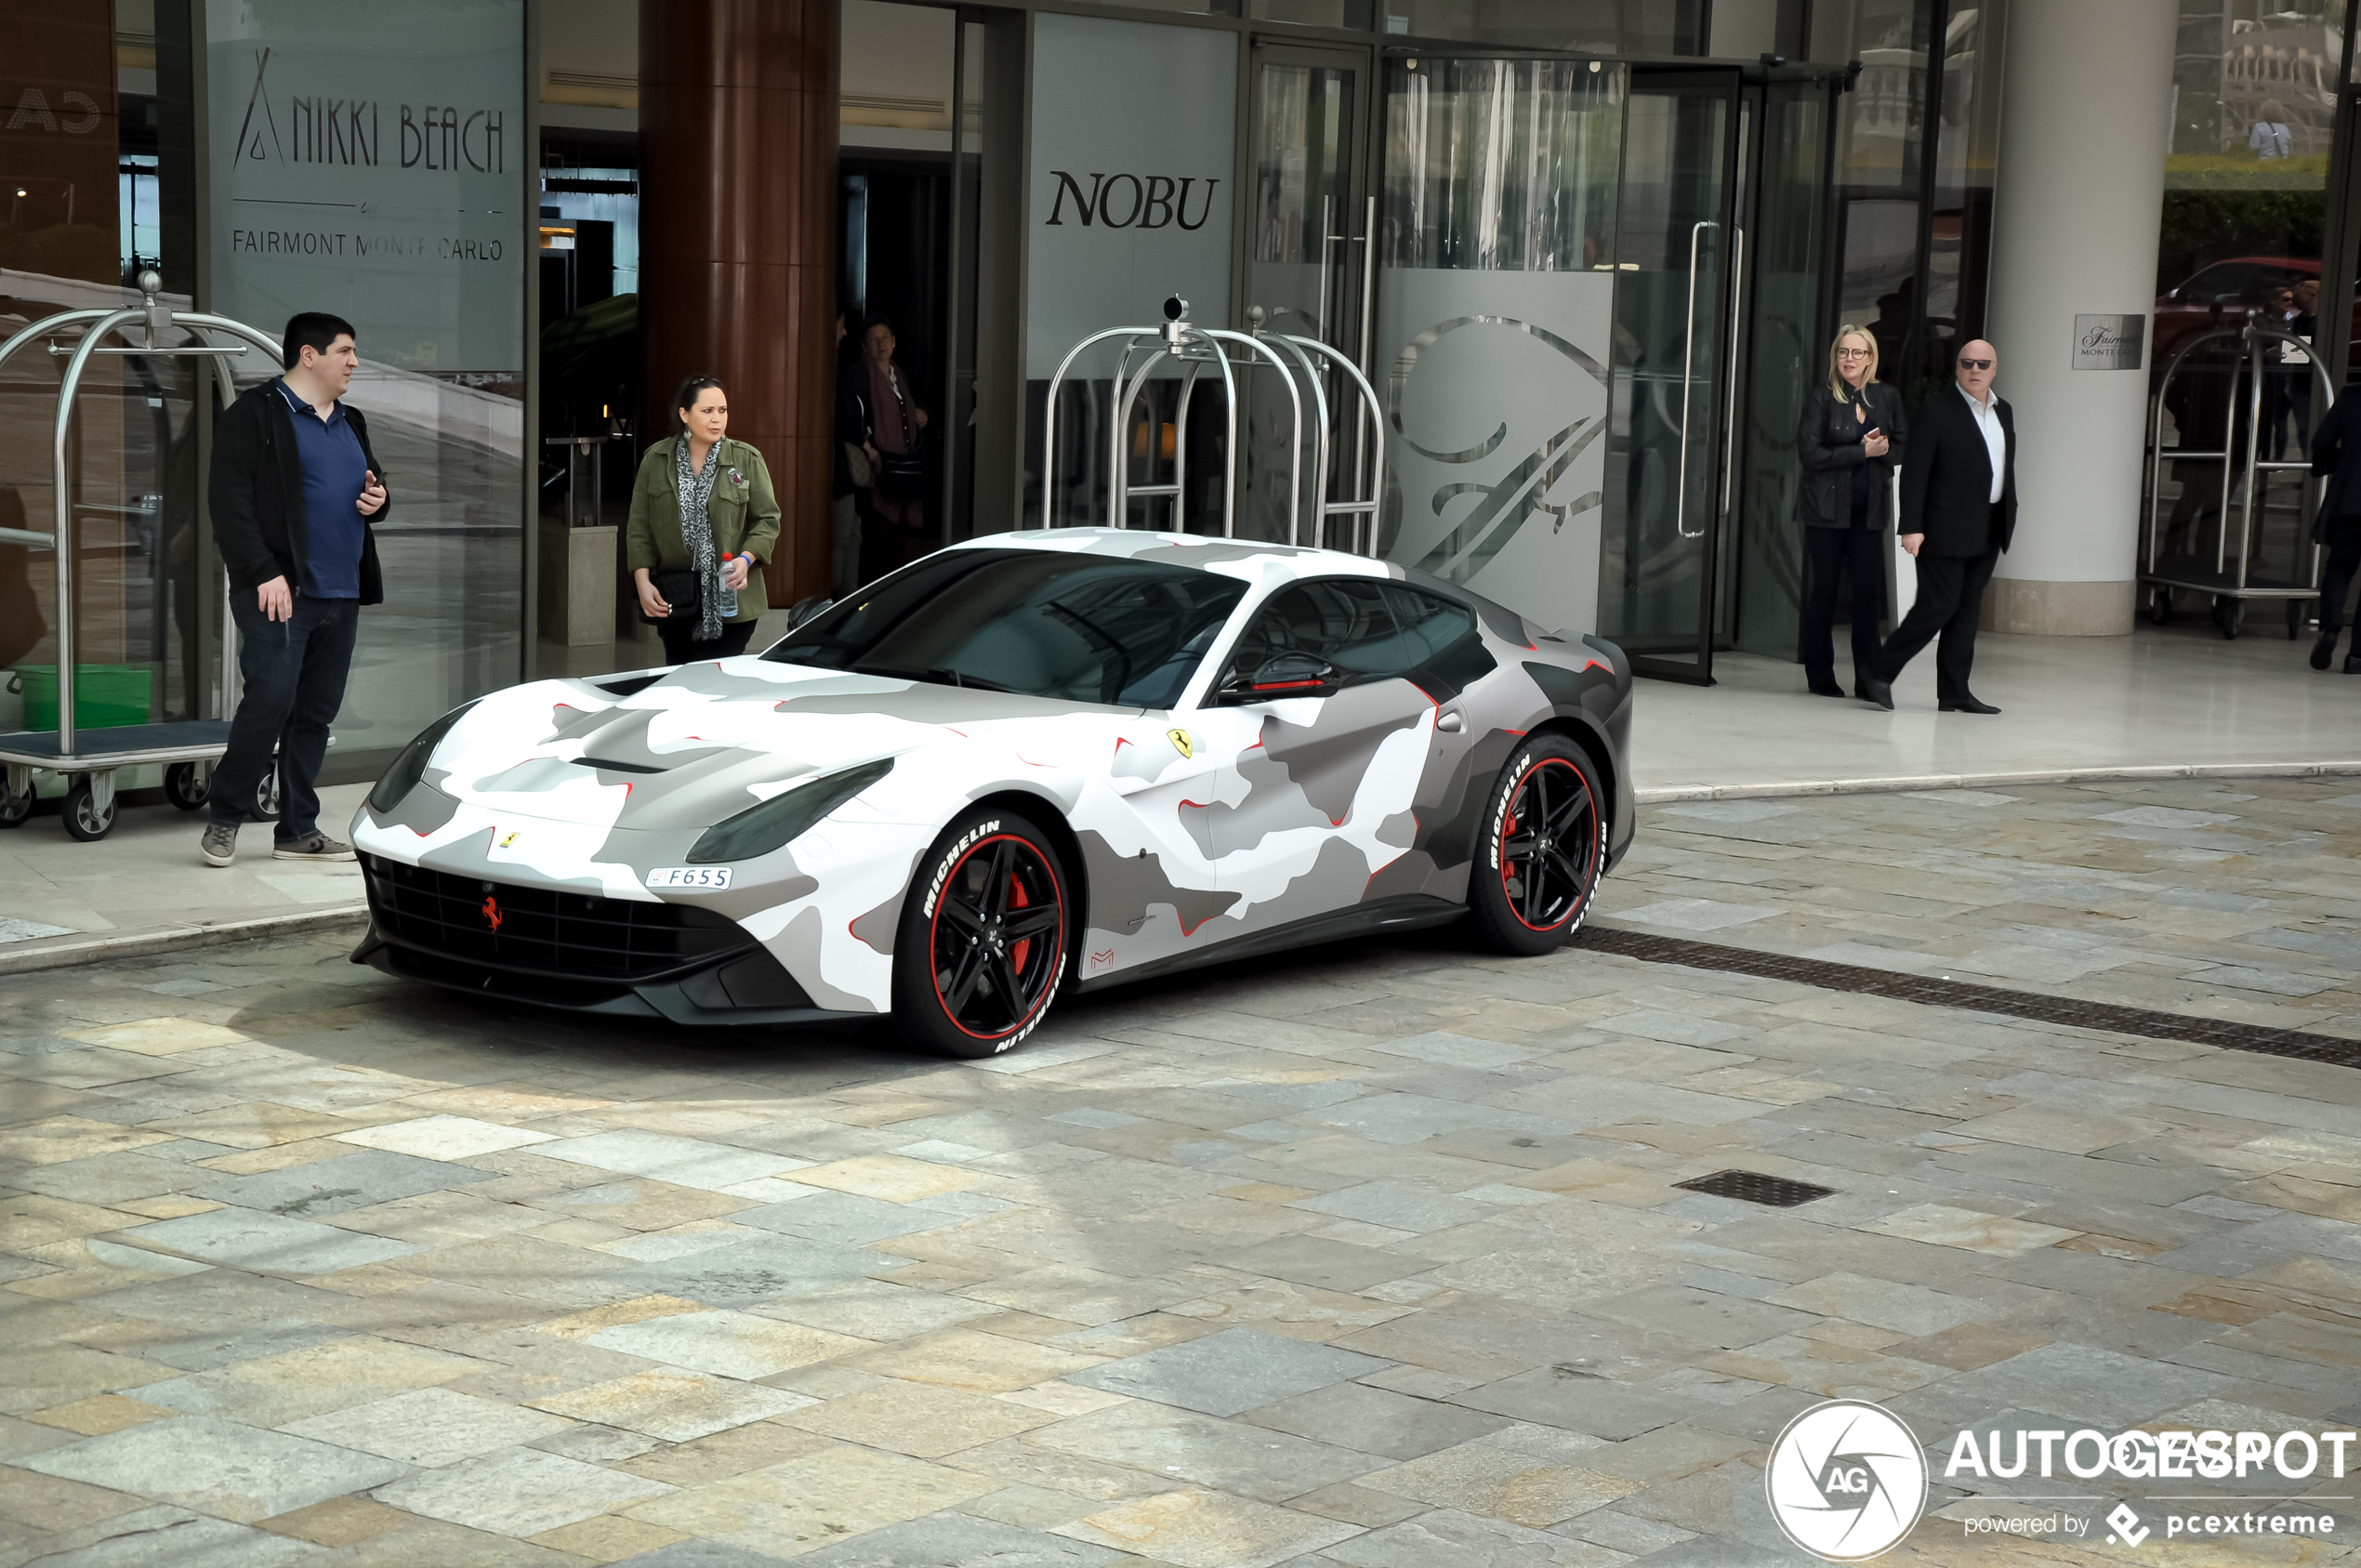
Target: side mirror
{"x":806,"y":608}
{"x":1284,"y":675}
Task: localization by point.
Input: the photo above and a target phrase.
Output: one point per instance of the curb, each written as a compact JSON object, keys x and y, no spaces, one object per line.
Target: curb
{"x":1673,"y":794}
{"x":59,"y":953}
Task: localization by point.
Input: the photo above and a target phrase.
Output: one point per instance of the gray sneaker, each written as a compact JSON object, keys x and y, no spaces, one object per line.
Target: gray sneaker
{"x":219,"y":844}
{"x":319,"y":847}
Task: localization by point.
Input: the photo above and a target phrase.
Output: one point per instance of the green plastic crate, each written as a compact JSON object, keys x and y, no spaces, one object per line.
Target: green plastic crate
{"x":105,"y":696}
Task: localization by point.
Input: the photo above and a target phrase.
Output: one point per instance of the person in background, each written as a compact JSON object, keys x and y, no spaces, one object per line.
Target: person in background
{"x":1959,"y":514}
{"x":2303,"y":319}
{"x":844,"y":556}
{"x":884,"y":419}
{"x":2336,"y":453}
{"x":2268,"y":138}
{"x":704,"y":519}
{"x":2276,"y":310}
{"x":1851,"y":438}
{"x":293,"y":492}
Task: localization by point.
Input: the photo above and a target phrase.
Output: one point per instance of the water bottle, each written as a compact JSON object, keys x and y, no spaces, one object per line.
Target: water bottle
{"x":724,"y":597}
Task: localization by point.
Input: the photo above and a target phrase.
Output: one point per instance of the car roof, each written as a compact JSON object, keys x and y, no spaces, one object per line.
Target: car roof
{"x":1199,"y":550}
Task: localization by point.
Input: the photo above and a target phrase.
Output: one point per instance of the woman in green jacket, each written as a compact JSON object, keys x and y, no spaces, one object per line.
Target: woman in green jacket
{"x":703,"y":503}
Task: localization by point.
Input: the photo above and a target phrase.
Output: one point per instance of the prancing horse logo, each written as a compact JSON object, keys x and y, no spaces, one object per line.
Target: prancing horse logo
{"x":492,"y":912}
{"x":1181,"y":742}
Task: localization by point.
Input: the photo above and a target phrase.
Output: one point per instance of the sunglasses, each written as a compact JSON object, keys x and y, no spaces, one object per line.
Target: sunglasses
{"x":1975,"y":365}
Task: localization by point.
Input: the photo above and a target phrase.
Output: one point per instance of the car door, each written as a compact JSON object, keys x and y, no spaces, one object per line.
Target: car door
{"x":1320,"y":800}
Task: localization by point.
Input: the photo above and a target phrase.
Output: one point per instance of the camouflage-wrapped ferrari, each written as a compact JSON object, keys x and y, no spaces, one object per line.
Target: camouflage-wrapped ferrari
{"x":1070,"y":756}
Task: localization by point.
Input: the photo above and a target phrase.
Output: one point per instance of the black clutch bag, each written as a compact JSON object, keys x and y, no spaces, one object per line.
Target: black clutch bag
{"x":682,"y":590}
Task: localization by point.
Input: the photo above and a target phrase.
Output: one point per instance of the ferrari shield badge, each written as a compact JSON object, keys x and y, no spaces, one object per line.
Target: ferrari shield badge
{"x":1181,"y":742}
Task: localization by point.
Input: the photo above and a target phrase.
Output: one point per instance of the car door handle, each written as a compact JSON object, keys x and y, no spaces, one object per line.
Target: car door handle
{"x":1450,"y":724}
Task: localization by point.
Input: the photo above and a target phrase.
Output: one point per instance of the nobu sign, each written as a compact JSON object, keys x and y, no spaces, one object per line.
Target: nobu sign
{"x":1129,"y":201}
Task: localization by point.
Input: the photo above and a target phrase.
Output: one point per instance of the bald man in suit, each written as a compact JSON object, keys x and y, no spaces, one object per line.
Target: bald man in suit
{"x":1959,"y":513}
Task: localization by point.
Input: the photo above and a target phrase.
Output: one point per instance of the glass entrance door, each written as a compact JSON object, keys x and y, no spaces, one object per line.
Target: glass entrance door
{"x":1679,"y":262}
{"x":1307,"y":272}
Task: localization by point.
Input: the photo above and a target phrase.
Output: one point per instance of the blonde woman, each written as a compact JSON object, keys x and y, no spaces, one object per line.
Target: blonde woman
{"x":1851,"y":439}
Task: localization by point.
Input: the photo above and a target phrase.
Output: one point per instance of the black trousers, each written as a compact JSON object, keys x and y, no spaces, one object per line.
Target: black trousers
{"x":2336,"y":581}
{"x":294,"y":671}
{"x":1951,"y":598}
{"x":680,"y":650}
{"x":1827,"y":553}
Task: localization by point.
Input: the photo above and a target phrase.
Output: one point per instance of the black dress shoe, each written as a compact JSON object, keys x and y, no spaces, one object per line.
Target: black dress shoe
{"x":1833,"y":690}
{"x":2353,"y":664}
{"x":1966,"y":705}
{"x":1877,"y":692}
{"x":2324,"y":650}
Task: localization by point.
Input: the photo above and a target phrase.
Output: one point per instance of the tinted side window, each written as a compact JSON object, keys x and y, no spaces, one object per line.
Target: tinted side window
{"x":1368,"y":630}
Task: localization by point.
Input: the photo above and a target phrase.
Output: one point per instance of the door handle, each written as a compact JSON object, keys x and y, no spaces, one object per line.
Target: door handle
{"x":1450,"y":724}
{"x":1688,"y":376}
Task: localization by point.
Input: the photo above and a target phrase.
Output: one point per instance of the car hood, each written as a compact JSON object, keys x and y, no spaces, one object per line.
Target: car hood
{"x":710,"y":740}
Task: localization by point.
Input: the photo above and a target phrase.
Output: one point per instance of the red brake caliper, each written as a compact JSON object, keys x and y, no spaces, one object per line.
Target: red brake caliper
{"x":1018,"y":900}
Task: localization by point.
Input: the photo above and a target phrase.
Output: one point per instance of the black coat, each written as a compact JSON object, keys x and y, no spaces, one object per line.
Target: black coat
{"x":256,"y":495}
{"x":1827,"y":438}
{"x":2336,"y":454}
{"x":1947,"y":485}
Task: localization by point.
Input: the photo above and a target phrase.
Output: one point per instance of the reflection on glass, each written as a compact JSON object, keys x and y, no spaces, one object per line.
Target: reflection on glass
{"x":1634,"y":27}
{"x":2254,"y":103}
{"x":1783,"y":356}
{"x":1675,"y":251}
{"x":1313,"y":13}
{"x":1495,"y":324}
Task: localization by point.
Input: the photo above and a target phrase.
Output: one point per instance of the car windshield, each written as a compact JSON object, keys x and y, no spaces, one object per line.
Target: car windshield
{"x":1047,"y":623}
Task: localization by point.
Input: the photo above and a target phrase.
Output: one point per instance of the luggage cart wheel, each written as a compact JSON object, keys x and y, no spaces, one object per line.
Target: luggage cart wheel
{"x":14,"y":807}
{"x":2295,"y":619}
{"x":2160,"y":607}
{"x":189,"y":785}
{"x":89,"y":806}
{"x":2230,"y":615}
{"x":265,"y":797}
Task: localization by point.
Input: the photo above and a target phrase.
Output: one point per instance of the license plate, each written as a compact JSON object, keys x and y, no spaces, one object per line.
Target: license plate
{"x":690,"y":876}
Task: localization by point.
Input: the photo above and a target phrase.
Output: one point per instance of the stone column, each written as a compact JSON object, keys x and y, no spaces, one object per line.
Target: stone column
{"x":2079,"y":190}
{"x":737,"y":241}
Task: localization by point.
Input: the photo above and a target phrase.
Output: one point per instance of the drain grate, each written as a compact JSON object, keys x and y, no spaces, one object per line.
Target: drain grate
{"x":1928,"y":992}
{"x":1753,"y":1187}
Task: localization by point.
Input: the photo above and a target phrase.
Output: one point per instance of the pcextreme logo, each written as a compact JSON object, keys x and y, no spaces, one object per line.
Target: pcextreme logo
{"x":1846,"y":1480}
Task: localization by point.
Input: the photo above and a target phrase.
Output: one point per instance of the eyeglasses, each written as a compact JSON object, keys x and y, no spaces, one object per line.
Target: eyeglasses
{"x":1975,"y":365}
{"x":1852,"y":353}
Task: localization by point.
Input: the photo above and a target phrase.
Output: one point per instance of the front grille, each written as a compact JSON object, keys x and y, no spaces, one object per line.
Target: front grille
{"x":541,"y":930}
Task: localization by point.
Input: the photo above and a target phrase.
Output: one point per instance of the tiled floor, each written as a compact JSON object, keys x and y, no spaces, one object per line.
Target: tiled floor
{"x":1365,"y":1258}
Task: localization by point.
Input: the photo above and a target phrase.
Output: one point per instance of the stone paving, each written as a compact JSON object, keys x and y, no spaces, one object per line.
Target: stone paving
{"x":1370,"y":1257}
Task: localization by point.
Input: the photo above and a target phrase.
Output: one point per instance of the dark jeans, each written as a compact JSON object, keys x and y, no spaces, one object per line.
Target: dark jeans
{"x":680,"y":650}
{"x":1826,"y":553}
{"x":1951,"y":598}
{"x":294,"y":671}
{"x":2336,"y":581}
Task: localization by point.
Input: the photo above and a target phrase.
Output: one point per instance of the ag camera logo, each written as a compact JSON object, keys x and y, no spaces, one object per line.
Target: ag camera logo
{"x":1846,"y":1480}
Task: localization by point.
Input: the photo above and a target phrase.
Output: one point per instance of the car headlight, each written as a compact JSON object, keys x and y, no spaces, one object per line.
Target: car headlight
{"x":411,"y":766}
{"x":784,"y":817}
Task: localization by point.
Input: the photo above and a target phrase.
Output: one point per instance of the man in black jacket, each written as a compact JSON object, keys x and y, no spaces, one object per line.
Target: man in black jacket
{"x":1959,"y":513}
{"x":2336,"y":454}
{"x":295,"y":489}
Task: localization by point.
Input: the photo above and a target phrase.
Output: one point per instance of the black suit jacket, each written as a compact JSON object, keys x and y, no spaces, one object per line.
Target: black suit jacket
{"x":1946,"y":480}
{"x":2336,"y":454}
{"x":1827,"y":440}
{"x":258,"y":494}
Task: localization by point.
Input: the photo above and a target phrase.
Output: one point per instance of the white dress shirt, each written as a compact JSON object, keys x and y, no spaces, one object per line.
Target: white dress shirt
{"x":1995,"y":440}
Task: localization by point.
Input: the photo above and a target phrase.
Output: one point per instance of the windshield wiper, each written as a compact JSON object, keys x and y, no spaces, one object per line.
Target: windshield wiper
{"x":940,"y":675}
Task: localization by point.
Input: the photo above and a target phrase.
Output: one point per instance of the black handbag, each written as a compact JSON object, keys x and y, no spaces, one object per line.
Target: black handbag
{"x":680,"y":588}
{"x":902,"y":476}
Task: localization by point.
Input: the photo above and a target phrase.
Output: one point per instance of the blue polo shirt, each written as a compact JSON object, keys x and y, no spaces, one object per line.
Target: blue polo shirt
{"x":335,"y":472}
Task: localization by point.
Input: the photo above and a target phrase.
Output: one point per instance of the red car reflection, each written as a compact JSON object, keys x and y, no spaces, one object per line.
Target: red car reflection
{"x":2221,"y":295}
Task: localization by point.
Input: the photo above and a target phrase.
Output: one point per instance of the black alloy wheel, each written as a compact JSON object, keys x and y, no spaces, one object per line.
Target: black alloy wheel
{"x":983,"y":938}
{"x":1545,"y":840}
